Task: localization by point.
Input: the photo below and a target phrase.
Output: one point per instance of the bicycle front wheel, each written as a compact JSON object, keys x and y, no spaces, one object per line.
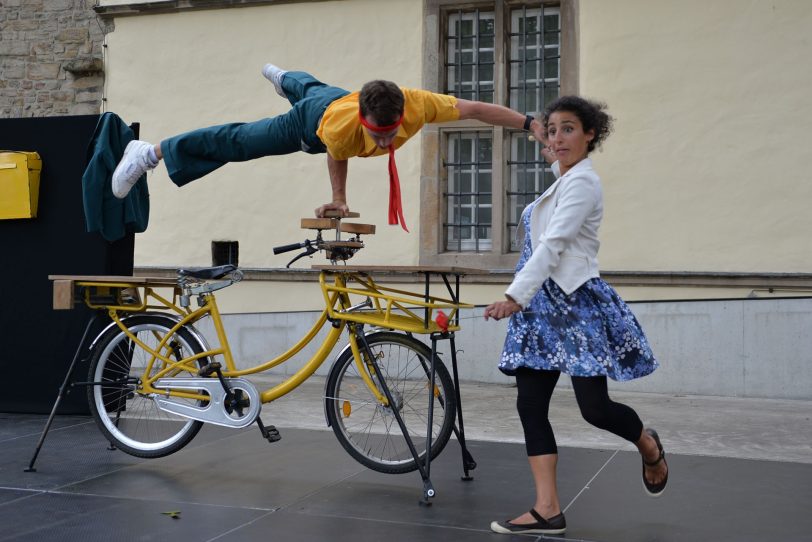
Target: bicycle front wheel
{"x":129,"y":418}
{"x":368,"y":429}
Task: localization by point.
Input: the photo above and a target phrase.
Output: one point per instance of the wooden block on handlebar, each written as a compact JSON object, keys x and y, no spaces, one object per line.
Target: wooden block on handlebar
{"x":365,"y":229}
{"x":332,"y":213}
{"x":319,"y":223}
{"x":342,"y":244}
{"x":332,"y":223}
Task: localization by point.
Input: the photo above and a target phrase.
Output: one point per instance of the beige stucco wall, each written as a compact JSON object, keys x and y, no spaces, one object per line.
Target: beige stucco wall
{"x":705,"y":171}
{"x":708,"y":168}
{"x":177,"y":72}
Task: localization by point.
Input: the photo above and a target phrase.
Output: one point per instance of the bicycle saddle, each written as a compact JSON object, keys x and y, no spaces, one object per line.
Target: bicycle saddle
{"x":208,"y":273}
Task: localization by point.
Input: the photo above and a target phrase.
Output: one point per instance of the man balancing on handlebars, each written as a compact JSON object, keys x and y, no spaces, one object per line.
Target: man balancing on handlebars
{"x":323,"y":119}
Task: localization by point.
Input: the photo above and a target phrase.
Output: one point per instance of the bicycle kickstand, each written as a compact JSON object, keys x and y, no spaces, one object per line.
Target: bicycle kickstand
{"x":64,"y":389}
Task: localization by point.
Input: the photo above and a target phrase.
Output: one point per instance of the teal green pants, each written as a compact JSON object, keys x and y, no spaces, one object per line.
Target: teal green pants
{"x":194,"y":154}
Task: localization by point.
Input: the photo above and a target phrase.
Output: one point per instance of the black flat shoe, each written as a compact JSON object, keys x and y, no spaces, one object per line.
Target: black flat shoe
{"x":655,"y":490}
{"x":554,"y":525}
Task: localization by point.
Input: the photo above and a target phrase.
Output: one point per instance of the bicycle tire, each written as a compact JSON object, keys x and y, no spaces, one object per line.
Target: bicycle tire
{"x":130,"y":420}
{"x":366,"y":429}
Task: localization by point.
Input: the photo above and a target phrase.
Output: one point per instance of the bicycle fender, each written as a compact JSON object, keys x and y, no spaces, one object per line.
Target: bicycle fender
{"x":335,"y":361}
{"x":190,"y":327}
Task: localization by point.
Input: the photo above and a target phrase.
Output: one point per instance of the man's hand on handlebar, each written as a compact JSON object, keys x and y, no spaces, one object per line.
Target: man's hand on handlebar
{"x":340,"y":206}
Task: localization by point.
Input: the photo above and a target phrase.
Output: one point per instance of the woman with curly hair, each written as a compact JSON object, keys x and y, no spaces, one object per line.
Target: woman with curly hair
{"x":565,"y":318}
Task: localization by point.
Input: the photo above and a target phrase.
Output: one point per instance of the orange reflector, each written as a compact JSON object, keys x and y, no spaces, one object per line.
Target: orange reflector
{"x":436,"y":390}
{"x":346,"y":409}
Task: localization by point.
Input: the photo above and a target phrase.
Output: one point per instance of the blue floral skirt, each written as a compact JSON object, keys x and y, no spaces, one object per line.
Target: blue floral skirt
{"x":591,"y":332}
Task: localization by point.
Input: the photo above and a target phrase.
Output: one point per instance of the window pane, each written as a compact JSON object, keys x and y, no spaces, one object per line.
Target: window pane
{"x":470,"y":45}
{"x":469,"y":198}
{"x":535,"y":37}
{"x":551,"y":69}
{"x":484,"y":184}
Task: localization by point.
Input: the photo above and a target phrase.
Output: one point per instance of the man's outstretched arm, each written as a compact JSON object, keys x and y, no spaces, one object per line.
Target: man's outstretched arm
{"x":499,"y":115}
{"x":337,"y":170}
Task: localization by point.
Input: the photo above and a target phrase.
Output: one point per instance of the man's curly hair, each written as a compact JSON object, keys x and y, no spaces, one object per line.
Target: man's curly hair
{"x":592,"y":114}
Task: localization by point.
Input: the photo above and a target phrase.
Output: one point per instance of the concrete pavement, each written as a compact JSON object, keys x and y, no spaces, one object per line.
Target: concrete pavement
{"x":764,"y":429}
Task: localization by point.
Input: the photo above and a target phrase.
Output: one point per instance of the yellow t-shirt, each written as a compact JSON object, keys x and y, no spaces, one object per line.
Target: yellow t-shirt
{"x":341,"y":132}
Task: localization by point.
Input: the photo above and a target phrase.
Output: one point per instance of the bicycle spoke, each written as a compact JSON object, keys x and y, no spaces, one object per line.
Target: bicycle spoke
{"x":130,"y":419}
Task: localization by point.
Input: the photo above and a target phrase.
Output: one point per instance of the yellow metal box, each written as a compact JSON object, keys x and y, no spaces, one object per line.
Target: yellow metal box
{"x":19,"y":184}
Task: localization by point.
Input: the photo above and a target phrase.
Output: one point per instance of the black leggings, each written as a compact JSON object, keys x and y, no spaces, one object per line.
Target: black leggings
{"x":533,"y":403}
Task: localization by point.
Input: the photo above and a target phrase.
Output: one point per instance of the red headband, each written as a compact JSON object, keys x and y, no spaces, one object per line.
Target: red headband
{"x":378,"y":129}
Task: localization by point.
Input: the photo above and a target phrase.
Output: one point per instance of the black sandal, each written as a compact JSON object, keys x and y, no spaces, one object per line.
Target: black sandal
{"x":655,"y":490}
{"x":555,"y":525}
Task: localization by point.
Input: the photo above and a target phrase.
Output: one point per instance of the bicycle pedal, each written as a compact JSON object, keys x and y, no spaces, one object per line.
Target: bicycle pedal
{"x":269,"y":432}
{"x":272,"y":434}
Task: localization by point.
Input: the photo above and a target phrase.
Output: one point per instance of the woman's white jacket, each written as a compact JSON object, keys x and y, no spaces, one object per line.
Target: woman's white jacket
{"x":564,"y":234}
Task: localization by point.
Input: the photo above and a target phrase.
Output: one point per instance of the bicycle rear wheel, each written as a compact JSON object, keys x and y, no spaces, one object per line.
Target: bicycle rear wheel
{"x":130,"y":419}
{"x":367,"y":429}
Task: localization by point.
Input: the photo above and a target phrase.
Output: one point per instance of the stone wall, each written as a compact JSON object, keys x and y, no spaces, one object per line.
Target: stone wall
{"x":51,"y":58}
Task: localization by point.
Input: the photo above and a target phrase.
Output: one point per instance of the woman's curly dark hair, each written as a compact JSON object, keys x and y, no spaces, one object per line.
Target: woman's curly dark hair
{"x":592,"y":114}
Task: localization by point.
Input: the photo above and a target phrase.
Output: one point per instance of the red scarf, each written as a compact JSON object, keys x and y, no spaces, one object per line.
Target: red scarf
{"x":395,"y":205}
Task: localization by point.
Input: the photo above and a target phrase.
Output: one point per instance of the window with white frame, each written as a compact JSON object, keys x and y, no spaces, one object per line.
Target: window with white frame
{"x":506,"y":52}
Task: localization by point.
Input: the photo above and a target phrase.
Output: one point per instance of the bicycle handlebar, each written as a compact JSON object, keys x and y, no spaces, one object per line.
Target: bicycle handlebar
{"x":293,"y":246}
{"x":335,"y":250}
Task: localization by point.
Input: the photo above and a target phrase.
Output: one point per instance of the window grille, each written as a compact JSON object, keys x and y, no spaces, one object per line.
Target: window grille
{"x":530,"y":176}
{"x":470,"y":192}
{"x":535,"y":80}
{"x":535,"y":57}
{"x":471,"y":49}
{"x":507,"y":53}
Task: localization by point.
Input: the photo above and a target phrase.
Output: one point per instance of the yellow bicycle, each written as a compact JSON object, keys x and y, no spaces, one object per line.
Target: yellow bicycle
{"x":154,"y":378}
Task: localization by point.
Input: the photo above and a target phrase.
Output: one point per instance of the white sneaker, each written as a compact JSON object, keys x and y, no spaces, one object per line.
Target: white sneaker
{"x":135,"y":162}
{"x":275,"y":74}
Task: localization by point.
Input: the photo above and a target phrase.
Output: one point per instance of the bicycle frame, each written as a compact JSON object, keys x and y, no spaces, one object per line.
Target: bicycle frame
{"x":388,"y":308}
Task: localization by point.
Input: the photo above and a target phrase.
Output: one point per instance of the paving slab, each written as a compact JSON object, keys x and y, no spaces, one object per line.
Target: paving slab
{"x":234,"y":486}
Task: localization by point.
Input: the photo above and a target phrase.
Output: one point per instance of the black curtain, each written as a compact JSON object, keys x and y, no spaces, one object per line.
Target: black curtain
{"x":38,"y":343}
